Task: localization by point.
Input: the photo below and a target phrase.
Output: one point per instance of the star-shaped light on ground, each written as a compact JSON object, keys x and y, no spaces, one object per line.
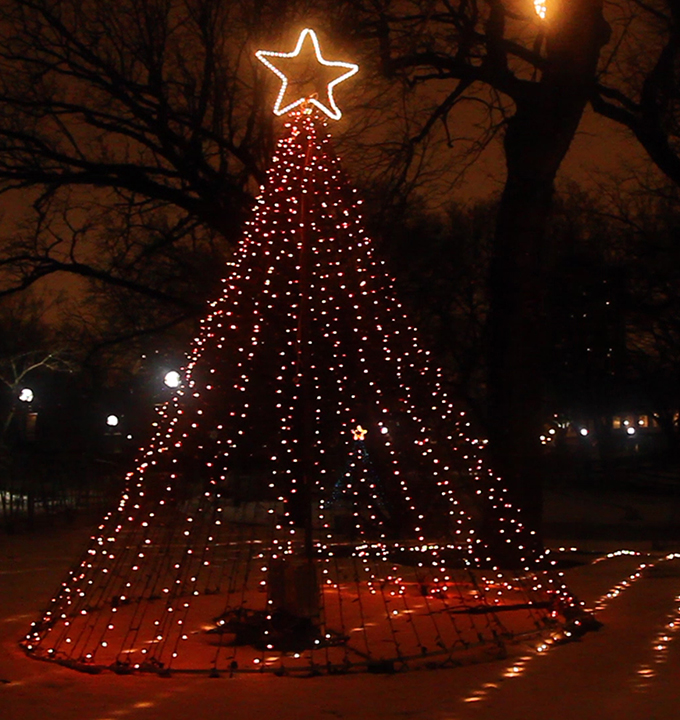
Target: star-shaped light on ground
{"x":359,"y":433}
{"x":339,"y":70}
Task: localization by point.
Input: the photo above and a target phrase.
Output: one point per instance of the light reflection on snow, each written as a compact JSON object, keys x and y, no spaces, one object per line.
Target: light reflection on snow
{"x":518,"y":667}
{"x":613,"y":592}
{"x":17,"y":618}
{"x":115,"y":714}
{"x":513,"y":670}
{"x":648,"y":671}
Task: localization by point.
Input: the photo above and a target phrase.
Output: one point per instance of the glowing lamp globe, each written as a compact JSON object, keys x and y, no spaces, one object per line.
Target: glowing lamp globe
{"x":26,"y":395}
{"x":112,"y":420}
{"x":172,"y":379}
{"x":540,"y":6}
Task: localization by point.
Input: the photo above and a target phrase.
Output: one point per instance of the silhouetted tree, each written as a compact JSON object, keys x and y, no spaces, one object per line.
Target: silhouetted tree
{"x":639,"y":86}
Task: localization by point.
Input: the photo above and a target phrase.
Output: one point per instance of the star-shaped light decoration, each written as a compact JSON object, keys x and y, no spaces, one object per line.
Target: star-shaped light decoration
{"x":300,"y":75}
{"x":359,"y":433}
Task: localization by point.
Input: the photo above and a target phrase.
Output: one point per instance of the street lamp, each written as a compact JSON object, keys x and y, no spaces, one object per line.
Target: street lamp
{"x":172,"y":379}
{"x":26,"y":395}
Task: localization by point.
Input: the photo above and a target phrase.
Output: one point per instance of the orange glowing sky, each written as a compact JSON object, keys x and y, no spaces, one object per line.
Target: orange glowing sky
{"x":602,"y":153}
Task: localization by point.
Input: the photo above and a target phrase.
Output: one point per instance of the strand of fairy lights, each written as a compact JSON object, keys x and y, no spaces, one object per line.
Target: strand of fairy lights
{"x":388,"y":350}
{"x":448,"y":409}
{"x":277,"y":547}
{"x":186,"y":578}
{"x":363,"y":554}
{"x":341,"y":377}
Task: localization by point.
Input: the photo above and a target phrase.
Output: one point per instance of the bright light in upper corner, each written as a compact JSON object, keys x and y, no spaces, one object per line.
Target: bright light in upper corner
{"x":540,"y":8}
{"x":172,"y":379}
{"x":112,"y":420}
{"x":26,"y":395}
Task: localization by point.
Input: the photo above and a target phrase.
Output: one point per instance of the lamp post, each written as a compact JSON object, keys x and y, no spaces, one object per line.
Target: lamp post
{"x":28,"y":417}
{"x":113,"y":433}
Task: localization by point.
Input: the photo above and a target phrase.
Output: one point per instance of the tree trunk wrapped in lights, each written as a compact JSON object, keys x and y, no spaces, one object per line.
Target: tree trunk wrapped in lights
{"x":244,"y":539}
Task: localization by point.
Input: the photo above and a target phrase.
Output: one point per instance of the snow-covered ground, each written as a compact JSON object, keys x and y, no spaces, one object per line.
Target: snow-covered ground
{"x":629,"y":670}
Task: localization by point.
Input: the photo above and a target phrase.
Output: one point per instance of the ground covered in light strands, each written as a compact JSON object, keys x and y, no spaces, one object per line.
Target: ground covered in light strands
{"x":627,"y":670}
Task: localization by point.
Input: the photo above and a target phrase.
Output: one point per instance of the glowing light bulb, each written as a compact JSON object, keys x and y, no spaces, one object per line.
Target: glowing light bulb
{"x":540,"y":6}
{"x":172,"y":379}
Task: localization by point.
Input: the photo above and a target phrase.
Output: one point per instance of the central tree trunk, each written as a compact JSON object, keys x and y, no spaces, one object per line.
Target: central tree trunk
{"x":537,"y":138}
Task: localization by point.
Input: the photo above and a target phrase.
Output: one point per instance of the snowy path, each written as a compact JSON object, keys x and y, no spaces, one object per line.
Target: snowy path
{"x":616,"y":673}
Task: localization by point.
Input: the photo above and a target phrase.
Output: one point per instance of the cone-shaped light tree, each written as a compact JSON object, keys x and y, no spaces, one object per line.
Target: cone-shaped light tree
{"x":312,"y":498}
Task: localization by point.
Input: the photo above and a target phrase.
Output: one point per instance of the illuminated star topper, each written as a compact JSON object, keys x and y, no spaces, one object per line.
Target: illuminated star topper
{"x":359,"y":433}
{"x":344,"y":70}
